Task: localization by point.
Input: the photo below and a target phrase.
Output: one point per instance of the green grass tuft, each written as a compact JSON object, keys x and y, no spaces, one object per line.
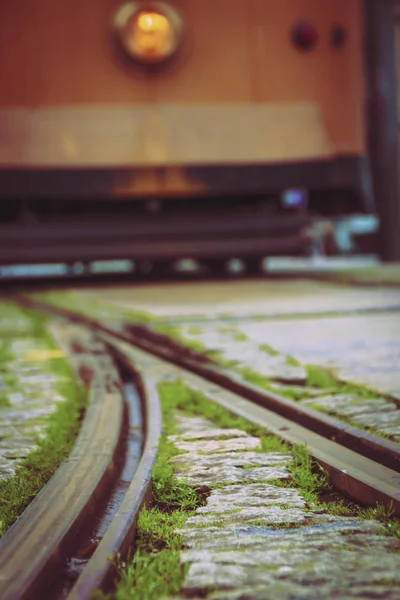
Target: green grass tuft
{"x":268,"y":350}
{"x":385,"y":516}
{"x":292,"y":362}
{"x":320,"y":378}
{"x":5,"y":401}
{"x":194,"y":330}
{"x":174,"y":332}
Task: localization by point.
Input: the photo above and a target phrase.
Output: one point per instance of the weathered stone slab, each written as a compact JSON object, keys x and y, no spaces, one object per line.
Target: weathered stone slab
{"x":271,"y":515}
{"x":40,"y":380}
{"x":209,"y":434}
{"x":311,"y":392}
{"x":260,"y":541}
{"x":293,"y":561}
{"x":247,"y":354}
{"x":379,"y":420}
{"x":207,"y":478}
{"x":16,"y":452}
{"x":365,"y":408}
{"x":283,"y":591}
{"x":7,"y":467}
{"x":203,"y":576}
{"x":392,"y":431}
{"x":192,"y":424}
{"x":213,"y":446}
{"x":234,"y":459}
{"x":252,"y":495}
{"x":337,"y":571}
{"x":350,"y":405}
{"x":8,"y":431}
{"x":15,"y":416}
{"x":31,"y":427}
{"x":321,"y":533}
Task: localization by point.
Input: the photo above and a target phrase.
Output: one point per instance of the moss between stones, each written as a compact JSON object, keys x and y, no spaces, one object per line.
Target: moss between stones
{"x":155,"y":570}
{"x":63,"y":425}
{"x":5,"y":401}
{"x":268,"y":350}
{"x":91,"y":307}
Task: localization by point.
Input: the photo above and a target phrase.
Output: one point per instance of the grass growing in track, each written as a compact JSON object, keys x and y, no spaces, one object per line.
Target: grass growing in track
{"x":63,"y":425}
{"x":155,"y":572}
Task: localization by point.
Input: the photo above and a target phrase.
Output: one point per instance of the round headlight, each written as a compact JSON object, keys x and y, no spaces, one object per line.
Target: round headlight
{"x":150,"y":32}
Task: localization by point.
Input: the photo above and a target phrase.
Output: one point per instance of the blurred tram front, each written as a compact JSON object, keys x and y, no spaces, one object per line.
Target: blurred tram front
{"x":189,"y":128}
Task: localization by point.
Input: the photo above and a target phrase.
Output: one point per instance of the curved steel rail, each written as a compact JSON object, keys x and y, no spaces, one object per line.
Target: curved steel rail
{"x":34,"y":547}
{"x":34,"y":550}
{"x":117,"y":540}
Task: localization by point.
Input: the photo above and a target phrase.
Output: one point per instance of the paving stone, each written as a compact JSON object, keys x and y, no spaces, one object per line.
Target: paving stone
{"x":323,"y":533}
{"x":350,"y":405}
{"x":282,"y":591}
{"x":16,"y":452}
{"x":300,"y":389}
{"x":209,"y":433}
{"x":271,"y":515}
{"x":337,"y":571}
{"x":40,"y":379}
{"x":247,"y":354}
{"x":209,"y":447}
{"x":233,"y":459}
{"x":192,"y":424}
{"x":292,"y":562}
{"x":7,"y":467}
{"x":392,"y":431}
{"x":207,"y":478}
{"x":31,"y":426}
{"x":276,"y":557}
{"x":16,"y":441}
{"x":8,"y":431}
{"x":12,"y":417}
{"x":257,"y":495}
{"x":260,"y":541}
{"x":379,"y":420}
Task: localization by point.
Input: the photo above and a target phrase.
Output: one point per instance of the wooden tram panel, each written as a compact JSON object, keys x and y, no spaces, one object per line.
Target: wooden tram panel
{"x":239,"y":93}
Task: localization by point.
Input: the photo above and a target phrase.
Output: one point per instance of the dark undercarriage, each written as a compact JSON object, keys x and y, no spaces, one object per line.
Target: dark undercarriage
{"x":67,"y":216}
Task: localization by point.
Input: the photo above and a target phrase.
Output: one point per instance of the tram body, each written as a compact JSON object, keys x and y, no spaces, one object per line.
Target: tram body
{"x":253,"y":98}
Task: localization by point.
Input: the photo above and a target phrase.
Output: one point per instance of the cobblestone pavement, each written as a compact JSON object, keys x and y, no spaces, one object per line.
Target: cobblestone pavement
{"x":256,"y":541}
{"x":288,"y":316}
{"x":361,"y":347}
{"x":241,"y":345}
{"x":208,"y":300}
{"x":29,"y":390}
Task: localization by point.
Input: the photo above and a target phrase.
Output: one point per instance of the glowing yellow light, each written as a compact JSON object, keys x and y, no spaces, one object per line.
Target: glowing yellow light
{"x":150,"y":35}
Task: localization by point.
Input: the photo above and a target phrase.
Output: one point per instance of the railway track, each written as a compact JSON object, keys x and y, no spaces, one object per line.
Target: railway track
{"x":61,"y":548}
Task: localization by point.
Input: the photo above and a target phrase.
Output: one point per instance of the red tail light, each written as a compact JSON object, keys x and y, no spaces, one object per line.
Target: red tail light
{"x":304,"y":36}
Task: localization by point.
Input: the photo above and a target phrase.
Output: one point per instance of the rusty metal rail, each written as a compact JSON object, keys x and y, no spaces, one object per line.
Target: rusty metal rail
{"x":35,"y":550}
